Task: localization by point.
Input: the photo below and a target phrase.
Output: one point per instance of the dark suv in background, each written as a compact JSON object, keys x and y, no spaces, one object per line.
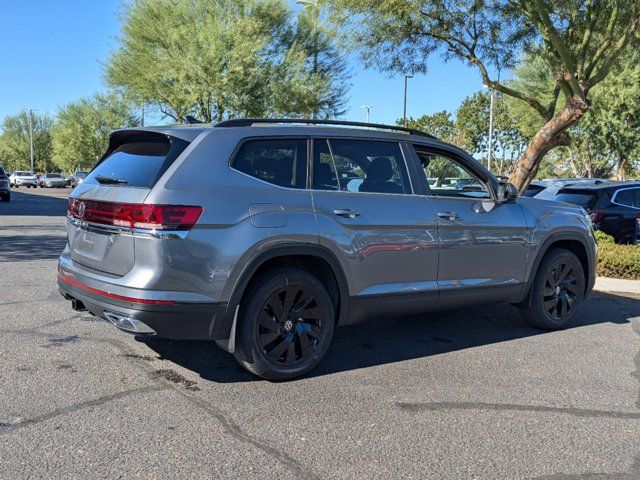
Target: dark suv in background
{"x":613,"y":206}
{"x":263,"y":235}
{"x":5,"y":190}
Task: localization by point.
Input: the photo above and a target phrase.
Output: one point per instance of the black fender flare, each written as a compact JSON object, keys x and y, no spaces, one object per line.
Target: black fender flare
{"x":542,"y":251}
{"x":283,"y":250}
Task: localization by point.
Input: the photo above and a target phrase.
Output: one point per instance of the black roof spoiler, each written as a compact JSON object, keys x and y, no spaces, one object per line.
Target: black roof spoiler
{"x":248,"y":122}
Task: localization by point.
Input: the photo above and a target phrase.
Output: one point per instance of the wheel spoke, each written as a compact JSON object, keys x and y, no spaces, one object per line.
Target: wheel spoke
{"x":290,"y":356}
{"x":551,"y":279}
{"x":276,"y":352}
{"x":572,"y":288}
{"x":291,"y":293}
{"x":275,"y":304}
{"x":307,"y":328}
{"x":547,"y":291}
{"x":563,"y":305}
{"x":265,"y":321}
{"x":301,"y":306}
{"x":305,"y":344}
{"x":556,"y":274}
{"x":566,"y":270}
{"x":550,"y":305}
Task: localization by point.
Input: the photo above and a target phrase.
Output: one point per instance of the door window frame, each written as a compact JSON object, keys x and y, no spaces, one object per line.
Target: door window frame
{"x":485,"y":177}
{"x":327,"y":138}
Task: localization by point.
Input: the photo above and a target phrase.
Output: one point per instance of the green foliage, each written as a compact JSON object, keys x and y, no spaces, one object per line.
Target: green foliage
{"x":441,"y":124}
{"x":81,"y":133}
{"x":227,"y":58}
{"x":617,"y":261}
{"x":14,"y":142}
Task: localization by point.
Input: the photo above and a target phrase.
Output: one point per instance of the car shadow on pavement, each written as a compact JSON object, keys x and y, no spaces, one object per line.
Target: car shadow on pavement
{"x":19,"y":248}
{"x":384,"y":341}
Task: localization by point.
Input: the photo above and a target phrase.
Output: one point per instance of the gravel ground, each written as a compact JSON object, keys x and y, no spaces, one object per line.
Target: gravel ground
{"x":472,"y":393}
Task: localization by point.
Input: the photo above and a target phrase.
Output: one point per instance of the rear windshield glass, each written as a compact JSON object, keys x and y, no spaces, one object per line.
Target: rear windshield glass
{"x":533,"y":190}
{"x":132,"y":164}
{"x":54,"y":175}
{"x":583,"y":199}
{"x":23,"y":174}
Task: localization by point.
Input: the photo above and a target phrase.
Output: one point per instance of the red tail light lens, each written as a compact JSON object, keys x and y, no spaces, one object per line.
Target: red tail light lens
{"x":596,"y":216}
{"x":141,"y":216}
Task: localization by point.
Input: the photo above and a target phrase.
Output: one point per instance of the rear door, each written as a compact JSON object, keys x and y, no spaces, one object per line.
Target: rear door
{"x":125,"y":175}
{"x":384,"y":234}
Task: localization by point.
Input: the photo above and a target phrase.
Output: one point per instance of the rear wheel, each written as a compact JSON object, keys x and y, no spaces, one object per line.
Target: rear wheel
{"x":285,"y":324}
{"x":557,"y":291}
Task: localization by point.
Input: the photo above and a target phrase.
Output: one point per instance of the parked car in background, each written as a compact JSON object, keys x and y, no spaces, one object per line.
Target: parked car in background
{"x":22,"y":179}
{"x":77,"y":178}
{"x":252,"y":233}
{"x":52,"y":180}
{"x":548,"y":189}
{"x":5,"y":190}
{"x":638,"y":229}
{"x":612,"y":206}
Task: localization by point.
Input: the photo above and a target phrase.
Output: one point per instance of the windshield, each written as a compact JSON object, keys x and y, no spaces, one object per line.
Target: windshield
{"x":82,"y":174}
{"x":54,"y":175}
{"x":23,"y":174}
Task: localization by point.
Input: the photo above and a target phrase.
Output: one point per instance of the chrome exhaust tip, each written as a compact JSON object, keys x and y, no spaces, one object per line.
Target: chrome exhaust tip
{"x":128,"y":324}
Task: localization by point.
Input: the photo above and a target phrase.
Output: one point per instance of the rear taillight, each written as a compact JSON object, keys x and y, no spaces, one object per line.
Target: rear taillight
{"x":140,"y":216}
{"x":596,"y":216}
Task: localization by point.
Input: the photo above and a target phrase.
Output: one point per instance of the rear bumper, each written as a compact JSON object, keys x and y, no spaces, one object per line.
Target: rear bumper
{"x":179,"y":321}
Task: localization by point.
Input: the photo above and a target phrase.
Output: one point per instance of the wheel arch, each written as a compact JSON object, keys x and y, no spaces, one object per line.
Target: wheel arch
{"x":567,"y":241}
{"x":316,"y":259}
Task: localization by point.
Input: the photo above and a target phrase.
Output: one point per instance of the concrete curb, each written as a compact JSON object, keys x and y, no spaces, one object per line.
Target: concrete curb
{"x":604,"y":284}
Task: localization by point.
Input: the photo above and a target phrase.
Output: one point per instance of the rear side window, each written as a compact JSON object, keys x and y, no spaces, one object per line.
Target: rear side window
{"x":137,"y":161}
{"x":360,"y":166}
{"x":585,"y":200}
{"x":282,"y":162}
{"x":533,"y":190}
{"x":625,"y":197}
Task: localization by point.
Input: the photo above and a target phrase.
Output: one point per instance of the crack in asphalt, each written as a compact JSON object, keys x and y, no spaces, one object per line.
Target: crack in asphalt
{"x":8,"y":427}
{"x":576,"y":412}
{"x":229,"y":425}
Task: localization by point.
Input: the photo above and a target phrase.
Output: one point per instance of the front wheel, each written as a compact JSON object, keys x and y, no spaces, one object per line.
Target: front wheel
{"x":285,"y":324}
{"x":557,"y":291}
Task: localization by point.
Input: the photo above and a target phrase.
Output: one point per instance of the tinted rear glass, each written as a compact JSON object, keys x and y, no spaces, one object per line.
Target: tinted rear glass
{"x":281,"y":161}
{"x":583,"y":199}
{"x":533,"y":190}
{"x":138,"y":163}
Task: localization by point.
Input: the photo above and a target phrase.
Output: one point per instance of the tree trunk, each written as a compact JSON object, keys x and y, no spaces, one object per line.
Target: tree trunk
{"x":552,"y":134}
{"x":621,"y":175}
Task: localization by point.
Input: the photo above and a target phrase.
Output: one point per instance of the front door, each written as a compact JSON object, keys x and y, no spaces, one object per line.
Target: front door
{"x":482,"y":243}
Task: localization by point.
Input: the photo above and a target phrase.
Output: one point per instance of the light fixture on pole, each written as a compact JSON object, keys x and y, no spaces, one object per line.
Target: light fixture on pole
{"x":368,"y":109}
{"x":490,"y":147}
{"x":404,"y":109}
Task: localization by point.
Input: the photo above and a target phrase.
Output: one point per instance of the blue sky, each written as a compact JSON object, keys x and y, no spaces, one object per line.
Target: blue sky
{"x":53,"y":53}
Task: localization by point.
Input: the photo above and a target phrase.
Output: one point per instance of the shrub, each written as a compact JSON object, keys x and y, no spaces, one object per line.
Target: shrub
{"x":617,"y":261}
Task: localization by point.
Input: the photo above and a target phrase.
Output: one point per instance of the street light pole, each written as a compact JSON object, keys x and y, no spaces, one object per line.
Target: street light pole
{"x":404,"y":110}
{"x":490,"y":147}
{"x":31,"y":137}
{"x":368,"y":109}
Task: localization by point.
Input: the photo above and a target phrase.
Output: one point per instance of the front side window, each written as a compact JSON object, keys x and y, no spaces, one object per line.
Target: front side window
{"x":448,"y":178}
{"x":365,"y":166}
{"x":282,"y":162}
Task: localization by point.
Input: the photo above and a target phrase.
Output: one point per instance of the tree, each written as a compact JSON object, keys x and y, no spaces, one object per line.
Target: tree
{"x":15,"y":146}
{"x":218,"y":59}
{"x":441,"y":124}
{"x":580,"y":41}
{"x":472,"y":120}
{"x":81,"y":133}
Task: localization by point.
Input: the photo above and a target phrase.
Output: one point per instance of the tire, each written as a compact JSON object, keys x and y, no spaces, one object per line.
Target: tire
{"x":270,"y":341}
{"x":626,"y":238}
{"x":557,"y":291}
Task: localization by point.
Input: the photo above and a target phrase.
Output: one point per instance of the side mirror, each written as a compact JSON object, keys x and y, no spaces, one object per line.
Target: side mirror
{"x":506,"y":192}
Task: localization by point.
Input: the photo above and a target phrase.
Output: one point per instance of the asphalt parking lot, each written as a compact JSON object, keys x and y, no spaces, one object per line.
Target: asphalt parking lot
{"x":472,"y":393}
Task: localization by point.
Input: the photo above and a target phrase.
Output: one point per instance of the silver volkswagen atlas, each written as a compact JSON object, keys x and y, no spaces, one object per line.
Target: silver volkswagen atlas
{"x":263,"y":235}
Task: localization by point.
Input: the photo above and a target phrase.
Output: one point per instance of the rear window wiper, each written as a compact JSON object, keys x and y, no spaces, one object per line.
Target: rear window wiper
{"x":110,"y":180}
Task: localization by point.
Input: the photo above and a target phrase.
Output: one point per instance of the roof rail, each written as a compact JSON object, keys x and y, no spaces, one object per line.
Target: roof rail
{"x":248,"y":122}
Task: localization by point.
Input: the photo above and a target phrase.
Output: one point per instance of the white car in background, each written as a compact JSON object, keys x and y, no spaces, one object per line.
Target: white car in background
{"x":22,"y":179}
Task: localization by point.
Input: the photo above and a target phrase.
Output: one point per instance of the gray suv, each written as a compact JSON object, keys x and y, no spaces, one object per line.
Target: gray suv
{"x":263,"y":235}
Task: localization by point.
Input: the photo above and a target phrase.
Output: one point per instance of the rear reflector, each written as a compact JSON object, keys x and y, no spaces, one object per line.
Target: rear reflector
{"x":596,"y":216}
{"x":142,"y":216}
{"x":115,"y":296}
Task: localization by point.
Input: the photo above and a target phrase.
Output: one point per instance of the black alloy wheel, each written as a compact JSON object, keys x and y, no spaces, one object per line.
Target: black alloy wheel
{"x":560,"y":290}
{"x":290,"y":325}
